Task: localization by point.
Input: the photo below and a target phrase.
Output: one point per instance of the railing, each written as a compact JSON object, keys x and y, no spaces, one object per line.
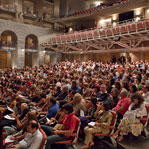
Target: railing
{"x":29,"y":14}
{"x":31,"y":46}
{"x":125,"y":27}
{"x":7,"y":7}
{"x":7,"y":44}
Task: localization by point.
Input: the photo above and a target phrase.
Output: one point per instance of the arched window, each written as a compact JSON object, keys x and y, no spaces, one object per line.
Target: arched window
{"x":31,"y":42}
{"x":8,"y":39}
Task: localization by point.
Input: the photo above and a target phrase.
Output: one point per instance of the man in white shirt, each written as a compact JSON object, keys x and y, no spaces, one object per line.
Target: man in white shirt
{"x":32,"y":139}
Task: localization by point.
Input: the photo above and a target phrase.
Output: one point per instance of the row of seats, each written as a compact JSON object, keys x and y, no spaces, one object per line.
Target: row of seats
{"x":96,"y":33}
{"x":74,"y":140}
{"x":95,"y":9}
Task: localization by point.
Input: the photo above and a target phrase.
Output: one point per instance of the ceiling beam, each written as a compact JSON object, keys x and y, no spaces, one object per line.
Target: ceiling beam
{"x":56,"y":49}
{"x":94,"y":46}
{"x":72,"y":47}
{"x":121,"y":44}
{"x":143,"y":49}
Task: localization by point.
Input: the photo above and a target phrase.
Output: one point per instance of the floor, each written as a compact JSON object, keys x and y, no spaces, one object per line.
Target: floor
{"x":129,"y":142}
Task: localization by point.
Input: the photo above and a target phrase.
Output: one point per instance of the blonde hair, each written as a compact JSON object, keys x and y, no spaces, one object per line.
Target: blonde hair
{"x":77,"y":97}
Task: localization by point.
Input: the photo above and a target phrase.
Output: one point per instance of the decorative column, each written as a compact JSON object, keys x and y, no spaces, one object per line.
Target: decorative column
{"x":39,"y":8}
{"x":41,"y":55}
{"x":19,"y":10}
{"x":56,"y":8}
{"x":20,"y":54}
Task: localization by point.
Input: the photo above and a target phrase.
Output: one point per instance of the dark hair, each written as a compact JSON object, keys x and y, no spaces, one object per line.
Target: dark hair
{"x":139,"y":79}
{"x":126,"y":86}
{"x":147,"y":87}
{"x":74,"y":82}
{"x":106,"y":106}
{"x":25,"y":111}
{"x":118,"y":85}
{"x":68,"y":107}
{"x":53,"y":100}
{"x":137,"y":96}
{"x":42,"y":95}
{"x":34,"y":124}
{"x":134,"y":88}
{"x":94,"y":100}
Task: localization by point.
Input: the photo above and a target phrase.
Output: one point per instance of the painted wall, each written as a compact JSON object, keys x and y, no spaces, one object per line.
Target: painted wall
{"x":104,"y":57}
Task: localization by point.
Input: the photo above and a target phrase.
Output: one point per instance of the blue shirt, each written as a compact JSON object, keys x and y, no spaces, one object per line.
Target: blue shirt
{"x":52,"y":111}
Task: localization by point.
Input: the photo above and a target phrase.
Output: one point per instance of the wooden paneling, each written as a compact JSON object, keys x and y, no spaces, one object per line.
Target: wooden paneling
{"x":146,"y":56}
{"x":28,"y":59}
{"x":3,"y":59}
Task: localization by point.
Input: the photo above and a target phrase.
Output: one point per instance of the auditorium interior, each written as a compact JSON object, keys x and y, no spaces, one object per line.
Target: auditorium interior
{"x":81,"y":46}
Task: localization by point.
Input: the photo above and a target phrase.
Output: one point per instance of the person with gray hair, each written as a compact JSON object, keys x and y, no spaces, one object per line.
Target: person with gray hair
{"x":123,"y":104}
{"x":63,"y":94}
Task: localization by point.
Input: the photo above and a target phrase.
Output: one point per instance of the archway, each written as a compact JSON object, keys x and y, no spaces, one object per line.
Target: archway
{"x":8,"y":44}
{"x":31,"y":50}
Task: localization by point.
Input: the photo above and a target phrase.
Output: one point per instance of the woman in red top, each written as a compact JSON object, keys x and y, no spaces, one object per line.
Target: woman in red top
{"x":69,"y":126}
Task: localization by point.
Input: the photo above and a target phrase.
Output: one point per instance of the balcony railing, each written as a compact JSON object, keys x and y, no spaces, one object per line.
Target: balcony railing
{"x":127,"y":27}
{"x":8,"y":7}
{"x":31,"y":46}
{"x":29,"y":14}
{"x":7,"y":44}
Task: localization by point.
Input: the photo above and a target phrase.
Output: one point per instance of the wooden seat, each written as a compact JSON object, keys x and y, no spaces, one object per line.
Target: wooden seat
{"x":78,"y":36}
{"x":116,"y":30}
{"x":73,"y":38}
{"x":140,"y":26}
{"x":74,"y":137}
{"x":111,"y":127}
{"x":68,"y":38}
{"x":109,"y":32}
{"x":96,"y":33}
{"x":89,"y":34}
{"x":123,"y":29}
{"x":83,"y":35}
{"x":132,"y":27}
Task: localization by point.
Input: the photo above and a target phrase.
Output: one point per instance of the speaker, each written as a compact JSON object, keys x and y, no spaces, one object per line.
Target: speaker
{"x":117,"y":38}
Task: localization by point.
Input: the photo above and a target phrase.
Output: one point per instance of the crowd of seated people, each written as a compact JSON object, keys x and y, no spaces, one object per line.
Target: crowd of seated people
{"x":95,"y":9}
{"x":53,"y":97}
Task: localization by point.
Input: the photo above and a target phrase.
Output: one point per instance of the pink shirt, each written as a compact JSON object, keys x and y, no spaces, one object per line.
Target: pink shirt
{"x":123,"y":102}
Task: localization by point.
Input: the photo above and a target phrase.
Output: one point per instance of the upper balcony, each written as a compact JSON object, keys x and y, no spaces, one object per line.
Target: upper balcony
{"x":100,"y":12}
{"x":126,"y":28}
{"x":98,"y":8}
{"x":129,"y":36}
